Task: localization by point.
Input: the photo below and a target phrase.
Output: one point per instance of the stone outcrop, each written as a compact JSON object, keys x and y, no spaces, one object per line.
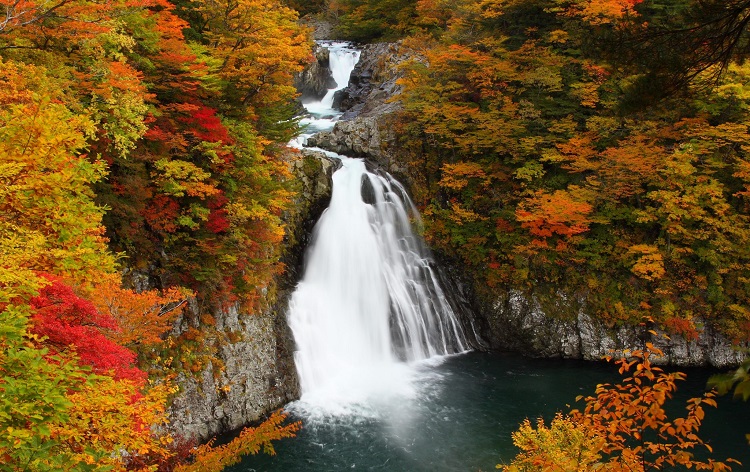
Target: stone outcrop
{"x":314,"y":173}
{"x":257,"y":376}
{"x":369,"y":103}
{"x":315,"y":80}
{"x":517,"y":322}
{"x":255,"y":373}
{"x":373,"y":89}
{"x":361,"y":137}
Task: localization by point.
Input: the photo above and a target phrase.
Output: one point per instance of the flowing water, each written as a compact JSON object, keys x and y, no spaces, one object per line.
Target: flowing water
{"x":369,"y":305}
{"x":384,"y":386}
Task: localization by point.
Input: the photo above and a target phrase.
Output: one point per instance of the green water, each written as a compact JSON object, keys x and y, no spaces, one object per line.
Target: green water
{"x":462,"y":416}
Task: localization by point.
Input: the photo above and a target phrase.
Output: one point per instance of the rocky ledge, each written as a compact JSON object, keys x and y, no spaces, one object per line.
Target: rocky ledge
{"x":517,"y":322}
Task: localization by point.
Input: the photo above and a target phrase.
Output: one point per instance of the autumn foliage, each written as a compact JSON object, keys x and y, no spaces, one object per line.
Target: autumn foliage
{"x":212,"y":458}
{"x":623,"y":427}
{"x":67,"y":321}
{"x":137,"y":138}
{"x":572,"y":147}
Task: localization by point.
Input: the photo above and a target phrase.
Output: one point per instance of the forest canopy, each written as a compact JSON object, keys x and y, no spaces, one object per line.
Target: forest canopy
{"x":145,"y":139}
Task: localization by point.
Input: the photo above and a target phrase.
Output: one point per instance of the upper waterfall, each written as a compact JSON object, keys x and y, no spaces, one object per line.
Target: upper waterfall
{"x":369,"y":303}
{"x":342,"y":59}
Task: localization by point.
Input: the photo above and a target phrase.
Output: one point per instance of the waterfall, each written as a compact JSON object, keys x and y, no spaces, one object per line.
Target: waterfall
{"x":341,"y":59}
{"x":369,"y":304}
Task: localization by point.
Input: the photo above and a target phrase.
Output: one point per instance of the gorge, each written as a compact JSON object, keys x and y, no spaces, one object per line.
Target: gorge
{"x":506,"y":321}
{"x":481,"y":199}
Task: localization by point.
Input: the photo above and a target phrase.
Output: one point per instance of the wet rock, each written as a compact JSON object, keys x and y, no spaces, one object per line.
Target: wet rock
{"x":255,"y":375}
{"x":369,"y":137}
{"x":358,"y":138}
{"x":315,"y":80}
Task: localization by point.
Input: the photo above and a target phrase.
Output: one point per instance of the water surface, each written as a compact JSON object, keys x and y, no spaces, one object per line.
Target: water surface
{"x":462,"y":416}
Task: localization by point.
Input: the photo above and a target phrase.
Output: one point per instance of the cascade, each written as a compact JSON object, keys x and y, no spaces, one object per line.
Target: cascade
{"x":369,"y":305}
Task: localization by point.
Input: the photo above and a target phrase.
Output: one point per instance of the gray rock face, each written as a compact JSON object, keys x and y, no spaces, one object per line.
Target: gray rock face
{"x":257,"y":378}
{"x":518,"y":322}
{"x":315,"y":80}
{"x":314,"y":173}
{"x":361,"y":137}
{"x":256,"y":349}
{"x":372,"y":89}
{"x":322,"y":28}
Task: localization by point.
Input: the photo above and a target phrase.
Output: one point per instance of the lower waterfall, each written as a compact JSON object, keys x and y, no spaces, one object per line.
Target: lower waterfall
{"x":369,"y":301}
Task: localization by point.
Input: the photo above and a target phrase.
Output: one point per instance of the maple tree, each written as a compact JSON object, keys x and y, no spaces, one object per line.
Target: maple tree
{"x":370,"y":20}
{"x":46,"y":199}
{"x":68,"y":321}
{"x":51,"y":336}
{"x":563,"y":446}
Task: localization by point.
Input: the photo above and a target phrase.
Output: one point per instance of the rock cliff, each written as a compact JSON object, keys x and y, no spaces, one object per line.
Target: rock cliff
{"x":518,"y":322}
{"x":255,"y":350}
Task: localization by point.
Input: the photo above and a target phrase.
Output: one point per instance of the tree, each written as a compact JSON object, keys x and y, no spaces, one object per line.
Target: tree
{"x":623,"y":427}
{"x":564,"y":446}
{"x":142,"y":318}
{"x":46,"y":195}
{"x":211,"y":458}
